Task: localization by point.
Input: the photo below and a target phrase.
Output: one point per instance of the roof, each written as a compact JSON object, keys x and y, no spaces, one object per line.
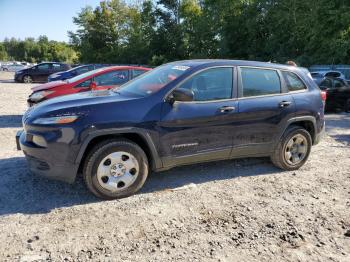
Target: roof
{"x":215,"y":62}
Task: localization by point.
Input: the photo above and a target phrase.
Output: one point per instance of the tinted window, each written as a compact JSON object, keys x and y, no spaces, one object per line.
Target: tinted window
{"x":211,"y":84}
{"x":257,"y":82}
{"x":136,"y":72}
{"x":43,"y":67}
{"x":112,"y":78}
{"x":327,"y":83}
{"x":81,"y":70}
{"x":293,"y":82}
{"x":338,"y":83}
{"x":86,"y":83}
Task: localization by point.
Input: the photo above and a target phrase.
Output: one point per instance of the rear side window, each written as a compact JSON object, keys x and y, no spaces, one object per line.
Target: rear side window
{"x":137,"y":72}
{"x":327,"y":83}
{"x":112,"y":78}
{"x":293,"y":82}
{"x":43,"y":67}
{"x":258,"y":82}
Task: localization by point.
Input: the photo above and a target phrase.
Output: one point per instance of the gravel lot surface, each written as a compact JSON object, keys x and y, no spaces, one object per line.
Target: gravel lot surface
{"x":243,"y":210}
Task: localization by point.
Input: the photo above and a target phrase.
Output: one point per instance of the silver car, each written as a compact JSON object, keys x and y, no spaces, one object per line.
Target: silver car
{"x":13,"y":67}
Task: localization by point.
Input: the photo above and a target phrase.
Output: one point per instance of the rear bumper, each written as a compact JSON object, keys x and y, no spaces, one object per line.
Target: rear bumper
{"x":320,"y":135}
{"x":42,"y":162}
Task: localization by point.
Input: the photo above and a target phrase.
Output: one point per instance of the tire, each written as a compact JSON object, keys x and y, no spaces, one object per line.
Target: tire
{"x":347,"y":106}
{"x":287,"y":156}
{"x":5,"y":69}
{"x":27,"y":79}
{"x":115,"y":168}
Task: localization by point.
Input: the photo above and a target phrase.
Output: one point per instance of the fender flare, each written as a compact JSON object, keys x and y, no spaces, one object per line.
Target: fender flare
{"x":156,"y":161}
{"x":311,"y":119}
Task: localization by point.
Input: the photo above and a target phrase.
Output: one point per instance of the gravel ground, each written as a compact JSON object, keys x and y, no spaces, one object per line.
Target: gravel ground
{"x":244,"y":210}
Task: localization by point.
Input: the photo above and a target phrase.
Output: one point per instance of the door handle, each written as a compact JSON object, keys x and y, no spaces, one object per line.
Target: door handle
{"x":226,"y":109}
{"x":284,"y":104}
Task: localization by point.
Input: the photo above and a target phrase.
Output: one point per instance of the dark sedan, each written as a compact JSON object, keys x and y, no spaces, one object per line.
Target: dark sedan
{"x":338,"y":94}
{"x":40,"y":72}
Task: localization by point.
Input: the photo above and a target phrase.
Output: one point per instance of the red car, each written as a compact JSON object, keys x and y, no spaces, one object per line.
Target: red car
{"x":99,"y":79}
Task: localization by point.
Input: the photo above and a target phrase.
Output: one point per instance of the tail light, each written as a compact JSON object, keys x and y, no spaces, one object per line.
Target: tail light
{"x":324,"y":96}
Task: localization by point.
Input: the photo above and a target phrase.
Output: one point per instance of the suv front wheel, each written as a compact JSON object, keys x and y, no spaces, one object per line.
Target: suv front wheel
{"x":115,"y":168}
{"x":293,"y":149}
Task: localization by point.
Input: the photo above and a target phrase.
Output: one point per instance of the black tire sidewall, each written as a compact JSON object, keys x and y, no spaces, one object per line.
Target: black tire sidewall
{"x":286,"y":139}
{"x":100,"y":154}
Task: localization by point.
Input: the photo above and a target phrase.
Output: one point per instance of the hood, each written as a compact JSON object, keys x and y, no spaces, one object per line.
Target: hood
{"x":76,"y":102}
{"x":48,"y":85}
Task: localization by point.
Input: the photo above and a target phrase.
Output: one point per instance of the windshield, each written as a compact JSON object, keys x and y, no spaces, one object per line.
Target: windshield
{"x":153,"y":81}
{"x":79,"y":77}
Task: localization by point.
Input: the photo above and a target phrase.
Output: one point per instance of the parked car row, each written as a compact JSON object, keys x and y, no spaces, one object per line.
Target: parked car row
{"x":180,"y":113}
{"x":40,"y":72}
{"x":13,"y":66}
{"x":98,"y":79}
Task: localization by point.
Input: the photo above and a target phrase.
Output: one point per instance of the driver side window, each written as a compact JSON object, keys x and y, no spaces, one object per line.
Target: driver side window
{"x":85,"y":84}
{"x":211,"y":84}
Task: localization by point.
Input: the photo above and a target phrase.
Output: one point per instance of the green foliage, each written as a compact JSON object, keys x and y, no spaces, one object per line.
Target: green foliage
{"x":154,"y":32}
{"x":35,"y":51}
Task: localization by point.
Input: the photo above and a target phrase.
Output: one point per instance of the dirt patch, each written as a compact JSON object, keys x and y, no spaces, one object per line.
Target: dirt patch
{"x":244,"y":210}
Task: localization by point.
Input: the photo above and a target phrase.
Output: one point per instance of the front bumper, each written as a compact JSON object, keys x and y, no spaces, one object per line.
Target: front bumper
{"x":18,"y":78}
{"x":43,"y":161}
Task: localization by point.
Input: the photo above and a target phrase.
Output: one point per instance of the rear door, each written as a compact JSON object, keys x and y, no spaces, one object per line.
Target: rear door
{"x":41,"y":72}
{"x":200,"y":130}
{"x":264,"y":108}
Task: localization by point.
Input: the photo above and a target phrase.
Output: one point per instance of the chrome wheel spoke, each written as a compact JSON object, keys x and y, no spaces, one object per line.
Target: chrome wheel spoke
{"x":295,"y":158}
{"x":127,"y":179}
{"x":302,"y":149}
{"x":103,"y":171}
{"x":299,"y":140}
{"x":288,"y":155}
{"x":290,"y":143}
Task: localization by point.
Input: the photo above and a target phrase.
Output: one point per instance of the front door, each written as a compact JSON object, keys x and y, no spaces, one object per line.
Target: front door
{"x":111,"y":79}
{"x":200,"y":130}
{"x":264,"y":108}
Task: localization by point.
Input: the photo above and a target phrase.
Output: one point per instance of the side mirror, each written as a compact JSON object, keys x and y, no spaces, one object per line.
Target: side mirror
{"x":181,"y":94}
{"x":93,"y":85}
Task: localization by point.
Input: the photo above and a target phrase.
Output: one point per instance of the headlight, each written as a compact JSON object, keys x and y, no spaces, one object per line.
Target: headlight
{"x":39,"y":95}
{"x":56,"y":120}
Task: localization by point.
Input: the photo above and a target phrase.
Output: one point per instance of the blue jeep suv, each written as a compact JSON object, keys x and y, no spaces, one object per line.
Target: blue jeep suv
{"x":180,"y":113}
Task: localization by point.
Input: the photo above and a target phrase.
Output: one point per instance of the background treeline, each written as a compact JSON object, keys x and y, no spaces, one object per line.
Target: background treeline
{"x":154,"y":32}
{"x":35,"y":51}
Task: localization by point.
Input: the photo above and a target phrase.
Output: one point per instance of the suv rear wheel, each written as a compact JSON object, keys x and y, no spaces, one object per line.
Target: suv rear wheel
{"x":115,"y":169}
{"x":293,"y":149}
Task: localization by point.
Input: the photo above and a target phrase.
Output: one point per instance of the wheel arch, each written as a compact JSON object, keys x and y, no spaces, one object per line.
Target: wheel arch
{"x":307,"y":122}
{"x":142,"y":139}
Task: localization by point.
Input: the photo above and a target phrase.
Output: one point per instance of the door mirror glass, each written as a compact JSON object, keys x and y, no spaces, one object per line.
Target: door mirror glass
{"x":184,"y":95}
